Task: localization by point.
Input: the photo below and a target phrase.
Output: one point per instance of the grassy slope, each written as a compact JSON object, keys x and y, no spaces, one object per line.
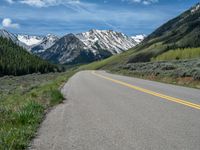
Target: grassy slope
{"x":178,"y":54}
{"x":180,"y":32}
{"x":23,"y":103}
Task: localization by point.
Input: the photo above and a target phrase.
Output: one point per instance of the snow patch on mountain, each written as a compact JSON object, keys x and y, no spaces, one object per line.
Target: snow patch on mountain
{"x":114,"y":42}
{"x":30,"y":40}
{"x":138,"y":38}
{"x":46,"y":43}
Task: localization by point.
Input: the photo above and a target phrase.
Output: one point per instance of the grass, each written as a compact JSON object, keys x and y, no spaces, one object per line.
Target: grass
{"x":23,"y":103}
{"x":25,"y":99}
{"x":177,"y":54}
{"x":56,"y":97}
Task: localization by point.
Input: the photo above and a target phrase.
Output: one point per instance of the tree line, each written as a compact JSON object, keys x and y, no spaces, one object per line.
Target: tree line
{"x":15,"y":60}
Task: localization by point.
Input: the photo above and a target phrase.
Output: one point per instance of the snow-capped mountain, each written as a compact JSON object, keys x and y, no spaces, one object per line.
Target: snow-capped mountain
{"x":68,"y":50}
{"x":138,"y":38}
{"x":76,"y":48}
{"x":13,"y":37}
{"x":46,"y":43}
{"x":114,"y":42}
{"x":30,"y":40}
{"x":89,"y":46}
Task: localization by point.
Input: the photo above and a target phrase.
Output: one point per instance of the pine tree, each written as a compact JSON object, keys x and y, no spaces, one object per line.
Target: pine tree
{"x":15,"y":60}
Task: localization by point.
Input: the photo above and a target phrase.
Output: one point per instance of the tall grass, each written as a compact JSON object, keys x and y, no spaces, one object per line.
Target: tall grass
{"x":19,"y":125}
{"x":178,"y":54}
{"x":56,"y":97}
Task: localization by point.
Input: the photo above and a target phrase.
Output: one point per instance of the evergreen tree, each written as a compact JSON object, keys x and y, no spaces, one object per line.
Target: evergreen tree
{"x":15,"y":60}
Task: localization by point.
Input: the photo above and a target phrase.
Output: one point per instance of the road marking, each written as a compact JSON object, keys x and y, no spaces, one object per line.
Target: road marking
{"x":166,"y":97}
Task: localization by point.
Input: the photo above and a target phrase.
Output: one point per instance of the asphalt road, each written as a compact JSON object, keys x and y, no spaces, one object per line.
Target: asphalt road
{"x":111,"y":112}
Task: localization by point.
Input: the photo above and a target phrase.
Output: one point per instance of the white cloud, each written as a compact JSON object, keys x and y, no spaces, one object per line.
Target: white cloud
{"x":44,"y":3}
{"x":7,"y":23}
{"x":10,"y":1}
{"x":145,"y":2}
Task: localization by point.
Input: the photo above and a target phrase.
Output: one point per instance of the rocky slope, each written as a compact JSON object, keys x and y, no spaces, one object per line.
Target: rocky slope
{"x":114,"y":42}
{"x":46,"y":43}
{"x":69,"y":49}
{"x":38,"y":44}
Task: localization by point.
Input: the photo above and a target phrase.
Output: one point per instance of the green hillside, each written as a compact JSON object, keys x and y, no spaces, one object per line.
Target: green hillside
{"x":170,"y":54}
{"x":186,"y":53}
{"x":14,"y":60}
{"x":182,"y":32}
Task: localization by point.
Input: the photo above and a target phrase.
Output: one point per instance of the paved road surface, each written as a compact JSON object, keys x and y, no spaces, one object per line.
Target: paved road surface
{"x":111,"y":112}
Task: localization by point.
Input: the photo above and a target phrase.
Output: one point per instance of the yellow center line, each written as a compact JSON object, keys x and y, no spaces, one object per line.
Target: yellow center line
{"x":166,"y":97}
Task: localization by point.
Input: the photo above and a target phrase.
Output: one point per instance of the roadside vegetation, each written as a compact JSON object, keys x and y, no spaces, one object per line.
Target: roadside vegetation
{"x":182,"y":72}
{"x":179,"y":72}
{"x":24,"y":100}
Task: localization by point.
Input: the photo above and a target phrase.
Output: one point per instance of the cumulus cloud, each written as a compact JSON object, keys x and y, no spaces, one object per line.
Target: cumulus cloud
{"x":10,"y":1}
{"x":7,"y":23}
{"x":145,"y":2}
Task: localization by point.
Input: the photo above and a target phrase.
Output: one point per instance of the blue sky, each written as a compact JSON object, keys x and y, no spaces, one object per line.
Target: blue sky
{"x":40,"y":17}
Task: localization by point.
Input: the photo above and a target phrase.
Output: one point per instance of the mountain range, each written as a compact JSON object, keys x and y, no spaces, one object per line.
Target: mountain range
{"x":80,"y":48}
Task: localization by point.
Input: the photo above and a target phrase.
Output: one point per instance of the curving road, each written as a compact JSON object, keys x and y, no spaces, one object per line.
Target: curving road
{"x":103,"y":111}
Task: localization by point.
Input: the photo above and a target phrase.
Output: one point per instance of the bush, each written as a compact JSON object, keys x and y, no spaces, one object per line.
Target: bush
{"x":176,"y":69}
{"x":196,"y":74}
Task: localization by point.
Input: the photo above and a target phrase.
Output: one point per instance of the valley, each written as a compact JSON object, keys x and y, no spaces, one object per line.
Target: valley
{"x":113,"y":91}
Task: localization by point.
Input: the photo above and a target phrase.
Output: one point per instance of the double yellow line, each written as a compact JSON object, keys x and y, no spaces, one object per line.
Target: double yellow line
{"x":166,"y":97}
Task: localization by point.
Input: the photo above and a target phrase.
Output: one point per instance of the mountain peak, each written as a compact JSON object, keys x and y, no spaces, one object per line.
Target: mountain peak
{"x":139,"y":38}
{"x":114,"y":42}
{"x":29,"y":40}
